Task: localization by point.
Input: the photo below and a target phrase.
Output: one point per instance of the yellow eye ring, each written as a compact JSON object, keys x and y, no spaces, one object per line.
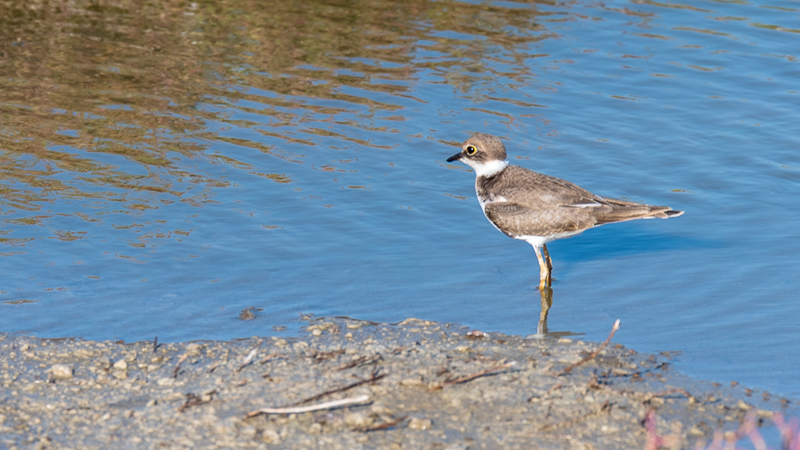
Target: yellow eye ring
{"x":471,"y":150}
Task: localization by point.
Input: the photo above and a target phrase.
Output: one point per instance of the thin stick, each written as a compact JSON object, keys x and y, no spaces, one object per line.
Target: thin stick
{"x":269,"y":358}
{"x":322,"y":356}
{"x":471,"y":377}
{"x":155,"y":344}
{"x":371,"y":379}
{"x":178,"y":366}
{"x":303,"y":409}
{"x":248,"y":359}
{"x":358,"y":362}
{"x":594,"y":353}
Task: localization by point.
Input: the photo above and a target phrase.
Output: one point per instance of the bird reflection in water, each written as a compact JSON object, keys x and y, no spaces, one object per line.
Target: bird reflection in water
{"x":542,"y":330}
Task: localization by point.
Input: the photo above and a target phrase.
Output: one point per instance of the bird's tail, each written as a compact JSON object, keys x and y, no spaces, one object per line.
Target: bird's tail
{"x":621,"y":211}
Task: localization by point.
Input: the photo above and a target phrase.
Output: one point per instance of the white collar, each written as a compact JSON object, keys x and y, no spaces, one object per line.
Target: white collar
{"x":487,"y":169}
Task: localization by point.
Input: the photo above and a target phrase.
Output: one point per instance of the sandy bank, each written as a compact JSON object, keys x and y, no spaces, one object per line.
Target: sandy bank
{"x":417,"y":384}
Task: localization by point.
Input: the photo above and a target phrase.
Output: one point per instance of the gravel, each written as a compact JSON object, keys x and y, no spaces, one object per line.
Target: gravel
{"x":417,"y":384}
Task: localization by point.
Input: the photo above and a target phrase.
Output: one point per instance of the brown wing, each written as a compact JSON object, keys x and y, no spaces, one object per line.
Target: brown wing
{"x":541,"y":205}
{"x":514,"y":219}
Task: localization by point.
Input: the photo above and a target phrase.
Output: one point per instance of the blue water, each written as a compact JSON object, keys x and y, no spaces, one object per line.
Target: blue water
{"x":300,"y":180}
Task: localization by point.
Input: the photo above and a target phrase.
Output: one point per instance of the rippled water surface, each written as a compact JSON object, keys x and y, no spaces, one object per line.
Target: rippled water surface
{"x":166,"y":165}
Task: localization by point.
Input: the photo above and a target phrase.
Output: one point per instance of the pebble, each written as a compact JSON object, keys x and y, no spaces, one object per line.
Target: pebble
{"x":357,"y":419}
{"x":419,"y":424}
{"x":743,"y":406}
{"x":61,"y":371}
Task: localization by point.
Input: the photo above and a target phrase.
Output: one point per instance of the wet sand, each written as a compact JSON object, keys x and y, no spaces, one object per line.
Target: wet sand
{"x":416,"y":384}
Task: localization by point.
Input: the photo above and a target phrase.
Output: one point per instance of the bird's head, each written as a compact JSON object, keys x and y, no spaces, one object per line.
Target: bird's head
{"x":485,"y":153}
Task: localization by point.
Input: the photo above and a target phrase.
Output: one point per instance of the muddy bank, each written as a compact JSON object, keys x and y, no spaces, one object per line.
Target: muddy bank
{"x":417,"y":384}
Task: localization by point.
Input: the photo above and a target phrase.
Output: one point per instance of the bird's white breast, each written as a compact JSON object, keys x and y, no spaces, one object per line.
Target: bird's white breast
{"x":538,"y":241}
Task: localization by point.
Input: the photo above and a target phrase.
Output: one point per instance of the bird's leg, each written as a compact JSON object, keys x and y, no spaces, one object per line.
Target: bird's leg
{"x":544,"y":272}
{"x":547,"y":258}
{"x":547,"y":302}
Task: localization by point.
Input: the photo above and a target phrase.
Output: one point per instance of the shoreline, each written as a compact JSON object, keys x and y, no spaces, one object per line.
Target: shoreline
{"x":417,"y":384}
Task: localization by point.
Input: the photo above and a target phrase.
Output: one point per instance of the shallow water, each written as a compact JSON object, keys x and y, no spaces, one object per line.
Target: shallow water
{"x":166,"y":165}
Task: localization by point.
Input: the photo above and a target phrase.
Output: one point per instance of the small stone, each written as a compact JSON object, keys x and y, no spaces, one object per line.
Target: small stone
{"x":353,"y":326}
{"x":419,"y":424}
{"x":357,"y":419}
{"x":743,"y":406}
{"x":281,"y":343}
{"x":61,"y":371}
{"x":609,"y":430}
{"x":730,"y":436}
{"x":270,"y":436}
{"x":565,"y":341}
{"x":763,"y":413}
{"x":316,"y":332}
{"x":120,"y":374}
{"x":376,"y":408}
{"x":412,"y":382}
{"x":248,"y":431}
{"x":194,"y":349}
{"x":121,"y":365}
{"x":695,"y":431}
{"x":477,"y":334}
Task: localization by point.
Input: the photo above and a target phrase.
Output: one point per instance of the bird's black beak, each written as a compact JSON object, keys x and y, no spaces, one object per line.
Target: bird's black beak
{"x":455,"y":157}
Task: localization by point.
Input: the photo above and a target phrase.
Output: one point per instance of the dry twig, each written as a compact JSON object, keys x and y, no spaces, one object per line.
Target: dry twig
{"x":323,"y":356}
{"x":471,"y":377}
{"x":594,"y":353}
{"x":268,"y":358}
{"x":359,"y":361}
{"x":248,"y":359}
{"x":178,"y":366}
{"x":303,"y":409}
{"x":375,"y":377}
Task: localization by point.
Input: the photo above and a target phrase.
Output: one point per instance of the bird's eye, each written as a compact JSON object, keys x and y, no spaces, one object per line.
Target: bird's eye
{"x":471,"y":150}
